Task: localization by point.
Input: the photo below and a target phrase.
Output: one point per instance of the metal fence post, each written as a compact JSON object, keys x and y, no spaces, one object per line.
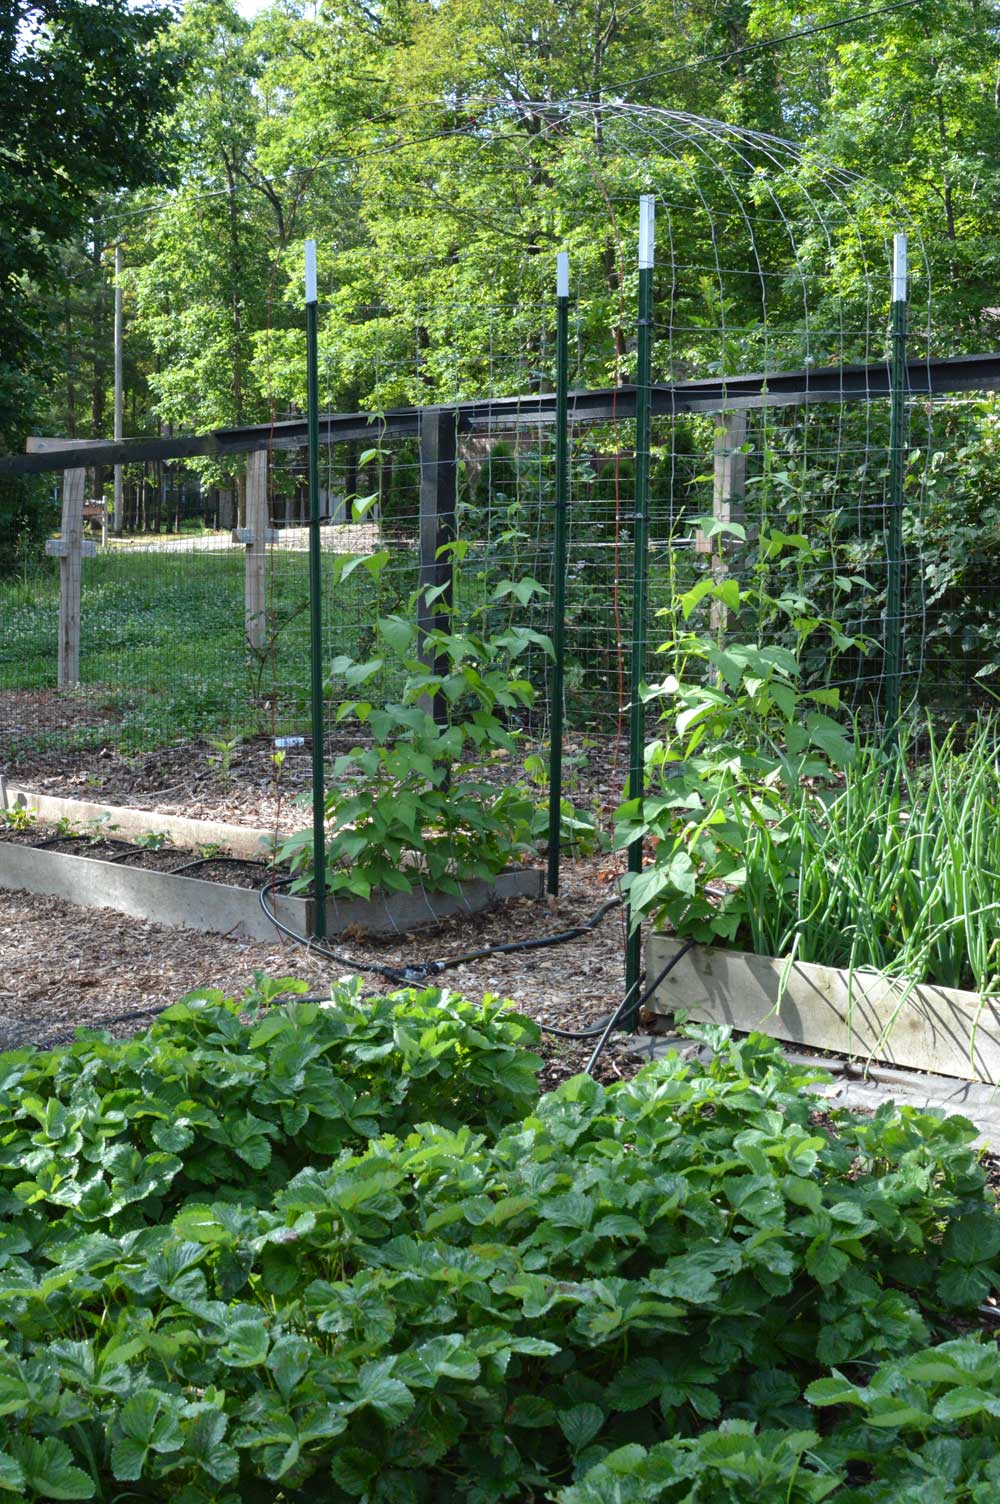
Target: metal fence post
{"x":637,"y":760}
{"x":315,"y":600}
{"x":438,"y":495}
{"x":897,"y":470}
{"x":559,"y":572}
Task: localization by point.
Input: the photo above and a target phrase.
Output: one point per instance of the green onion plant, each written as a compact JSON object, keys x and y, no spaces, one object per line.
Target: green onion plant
{"x":895,"y":868}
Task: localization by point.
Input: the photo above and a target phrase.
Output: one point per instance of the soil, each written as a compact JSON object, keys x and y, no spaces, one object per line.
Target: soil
{"x":187,"y":780}
{"x":231,"y":871}
{"x":27,"y":713}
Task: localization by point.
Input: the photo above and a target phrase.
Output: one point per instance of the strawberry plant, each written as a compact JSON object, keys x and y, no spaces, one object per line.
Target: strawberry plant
{"x":347,"y":1253}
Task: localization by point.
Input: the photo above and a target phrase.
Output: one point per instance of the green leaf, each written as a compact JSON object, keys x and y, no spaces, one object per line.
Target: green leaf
{"x":388,"y":1396}
{"x":973,"y":1238}
{"x":963,"y":1286}
{"x":580,"y":1424}
{"x":11,"y":1474}
{"x":638,"y":1383}
{"x":398,"y":633}
{"x":288,"y":1360}
{"x":49,"y":1470}
{"x":833,"y":1391}
{"x":825,"y":1262}
{"x":362,"y":505}
{"x":353,"y":1469}
{"x":966,"y":1400}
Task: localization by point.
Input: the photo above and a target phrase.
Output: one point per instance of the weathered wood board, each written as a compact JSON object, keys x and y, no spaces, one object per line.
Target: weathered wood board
{"x":860,"y":1014}
{"x":213,"y":908}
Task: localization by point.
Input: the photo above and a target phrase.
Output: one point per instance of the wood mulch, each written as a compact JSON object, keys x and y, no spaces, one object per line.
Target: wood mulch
{"x":63,"y":966}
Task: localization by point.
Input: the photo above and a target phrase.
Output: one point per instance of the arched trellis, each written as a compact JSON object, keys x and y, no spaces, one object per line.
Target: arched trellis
{"x":770,"y":261}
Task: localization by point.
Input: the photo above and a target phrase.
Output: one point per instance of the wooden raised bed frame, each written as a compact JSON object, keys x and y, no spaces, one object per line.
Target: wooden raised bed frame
{"x":860,"y":1014}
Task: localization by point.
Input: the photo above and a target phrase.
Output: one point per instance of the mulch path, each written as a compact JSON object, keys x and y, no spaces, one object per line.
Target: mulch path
{"x":64,"y":966}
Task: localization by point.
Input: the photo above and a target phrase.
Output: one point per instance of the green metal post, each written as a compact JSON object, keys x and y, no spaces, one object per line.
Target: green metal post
{"x":315,"y":601}
{"x":897,"y":458}
{"x":636,"y":724}
{"x":559,"y":570}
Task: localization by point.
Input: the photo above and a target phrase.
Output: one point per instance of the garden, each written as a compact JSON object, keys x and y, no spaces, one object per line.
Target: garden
{"x":280,"y":1249}
{"x":444,"y":912}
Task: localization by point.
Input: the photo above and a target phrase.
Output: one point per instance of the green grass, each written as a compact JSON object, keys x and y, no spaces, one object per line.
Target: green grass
{"x":163,"y":650}
{"x":164,"y":657}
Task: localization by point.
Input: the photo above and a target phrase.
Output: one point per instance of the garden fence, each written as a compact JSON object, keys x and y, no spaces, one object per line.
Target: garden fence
{"x":205,"y":634}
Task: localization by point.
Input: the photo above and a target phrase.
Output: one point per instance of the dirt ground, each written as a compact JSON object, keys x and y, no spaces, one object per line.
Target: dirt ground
{"x":63,"y":966}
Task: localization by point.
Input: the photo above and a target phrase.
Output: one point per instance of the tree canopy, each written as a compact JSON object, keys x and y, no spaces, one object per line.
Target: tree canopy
{"x":424,"y":146}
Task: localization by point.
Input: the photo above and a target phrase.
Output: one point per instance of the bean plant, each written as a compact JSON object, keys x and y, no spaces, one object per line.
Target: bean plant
{"x":413,"y":806}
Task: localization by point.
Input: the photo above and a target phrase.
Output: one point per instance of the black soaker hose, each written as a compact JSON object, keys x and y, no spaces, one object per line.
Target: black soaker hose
{"x":627,"y":1006}
{"x":423,"y":970}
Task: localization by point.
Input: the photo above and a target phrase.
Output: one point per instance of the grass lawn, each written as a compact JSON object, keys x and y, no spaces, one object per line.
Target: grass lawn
{"x":163,"y":645}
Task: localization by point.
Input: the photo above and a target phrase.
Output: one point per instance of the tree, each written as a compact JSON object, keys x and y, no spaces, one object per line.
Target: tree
{"x":84,"y":90}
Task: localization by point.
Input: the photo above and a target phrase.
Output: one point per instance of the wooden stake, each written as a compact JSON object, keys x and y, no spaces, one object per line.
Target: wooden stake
{"x":70,"y":550}
{"x":71,"y":578}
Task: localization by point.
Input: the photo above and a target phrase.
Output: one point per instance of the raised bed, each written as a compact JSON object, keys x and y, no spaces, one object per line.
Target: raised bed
{"x":217,"y":907}
{"x":238,"y":840}
{"x":861,"y":1014}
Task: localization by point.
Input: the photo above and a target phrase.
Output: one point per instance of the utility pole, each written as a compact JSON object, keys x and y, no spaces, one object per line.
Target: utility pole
{"x":119,"y":498}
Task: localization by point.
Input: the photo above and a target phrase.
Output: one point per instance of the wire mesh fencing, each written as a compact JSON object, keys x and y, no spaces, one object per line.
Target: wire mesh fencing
{"x":771,"y":470}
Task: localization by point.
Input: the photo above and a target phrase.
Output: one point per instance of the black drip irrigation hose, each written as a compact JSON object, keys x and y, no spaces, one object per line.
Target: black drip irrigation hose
{"x":627,"y":1007}
{"x":421,"y":971}
{"x":226,"y":861}
{"x":67,"y":1036}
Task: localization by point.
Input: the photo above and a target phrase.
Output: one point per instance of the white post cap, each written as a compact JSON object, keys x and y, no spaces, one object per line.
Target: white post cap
{"x":647,"y":215}
{"x":562,"y":274}
{"x":310,"y":271}
{"x":899,"y":269}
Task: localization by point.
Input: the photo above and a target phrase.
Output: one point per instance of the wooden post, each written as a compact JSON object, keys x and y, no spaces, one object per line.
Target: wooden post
{"x":438,"y":489}
{"x":729,"y":485}
{"x":70,"y":549}
{"x":71,"y":578}
{"x":256,"y":535}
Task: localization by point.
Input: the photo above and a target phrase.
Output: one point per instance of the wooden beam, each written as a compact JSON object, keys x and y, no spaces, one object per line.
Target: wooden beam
{"x":861,"y":1014}
{"x":856,"y":383}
